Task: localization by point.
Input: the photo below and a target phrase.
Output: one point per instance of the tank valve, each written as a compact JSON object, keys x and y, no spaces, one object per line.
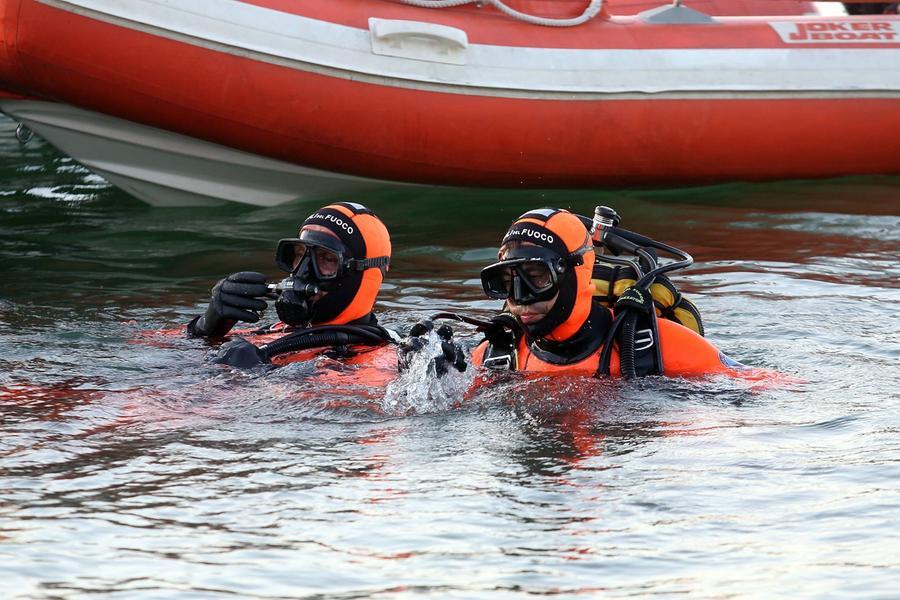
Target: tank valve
{"x":604,"y":219}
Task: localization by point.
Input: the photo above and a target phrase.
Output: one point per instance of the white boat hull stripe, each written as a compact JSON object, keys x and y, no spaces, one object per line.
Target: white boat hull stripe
{"x":313,"y":45}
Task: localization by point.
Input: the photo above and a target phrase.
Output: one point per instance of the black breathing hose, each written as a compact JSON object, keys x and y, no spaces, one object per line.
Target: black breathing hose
{"x":606,"y":353}
{"x":479,"y":324}
{"x":626,"y":347}
{"x":623,"y":328}
{"x":329,"y":335}
{"x":655,"y":269}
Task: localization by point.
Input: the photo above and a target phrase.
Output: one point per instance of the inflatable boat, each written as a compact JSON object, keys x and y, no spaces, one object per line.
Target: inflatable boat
{"x":269,"y":101}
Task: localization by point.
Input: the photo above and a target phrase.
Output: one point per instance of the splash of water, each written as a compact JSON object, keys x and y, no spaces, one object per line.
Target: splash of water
{"x":419,"y":389}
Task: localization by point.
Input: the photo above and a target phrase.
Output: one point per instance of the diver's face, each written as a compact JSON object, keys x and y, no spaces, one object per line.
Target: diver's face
{"x":528,"y":314}
{"x":326,"y":261}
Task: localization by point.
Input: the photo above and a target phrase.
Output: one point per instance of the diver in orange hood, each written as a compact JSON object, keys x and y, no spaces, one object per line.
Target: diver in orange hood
{"x":336,"y":265}
{"x":553,"y":321}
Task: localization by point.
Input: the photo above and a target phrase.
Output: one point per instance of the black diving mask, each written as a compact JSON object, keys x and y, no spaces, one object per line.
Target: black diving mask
{"x":527,"y":275}
{"x":321,"y":255}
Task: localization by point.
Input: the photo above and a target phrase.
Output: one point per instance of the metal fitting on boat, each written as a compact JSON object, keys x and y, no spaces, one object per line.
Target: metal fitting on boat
{"x":23,"y":133}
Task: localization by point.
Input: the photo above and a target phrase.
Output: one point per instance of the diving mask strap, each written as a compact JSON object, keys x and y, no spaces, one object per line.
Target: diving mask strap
{"x":576,"y":258}
{"x":380,"y":262}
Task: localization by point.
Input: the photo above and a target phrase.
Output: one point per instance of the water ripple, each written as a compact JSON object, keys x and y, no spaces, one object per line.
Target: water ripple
{"x":133,"y":467}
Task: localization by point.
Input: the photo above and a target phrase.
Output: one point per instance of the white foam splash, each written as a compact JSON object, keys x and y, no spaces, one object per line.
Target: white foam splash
{"x":419,"y":390}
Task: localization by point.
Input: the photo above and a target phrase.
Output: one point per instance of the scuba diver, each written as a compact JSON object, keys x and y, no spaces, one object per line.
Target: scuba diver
{"x":336,"y":265}
{"x":569,"y":311}
{"x":573,"y":303}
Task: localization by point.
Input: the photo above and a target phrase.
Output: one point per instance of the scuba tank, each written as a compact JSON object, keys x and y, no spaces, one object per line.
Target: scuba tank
{"x":612,"y":276}
{"x":637,"y":290}
{"x":611,"y":280}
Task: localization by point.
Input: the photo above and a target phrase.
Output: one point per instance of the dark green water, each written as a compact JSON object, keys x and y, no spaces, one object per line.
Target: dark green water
{"x":138,"y":470}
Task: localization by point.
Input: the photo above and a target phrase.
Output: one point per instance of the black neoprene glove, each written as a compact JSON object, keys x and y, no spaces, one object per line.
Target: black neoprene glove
{"x":235,"y":298}
{"x":413,"y":343}
{"x":452,"y":354}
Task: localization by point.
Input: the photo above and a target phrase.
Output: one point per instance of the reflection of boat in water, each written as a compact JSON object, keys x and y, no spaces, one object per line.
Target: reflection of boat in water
{"x":266,"y":101}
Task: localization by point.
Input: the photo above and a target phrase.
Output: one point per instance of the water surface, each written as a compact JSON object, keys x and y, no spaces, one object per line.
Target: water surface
{"x":131,"y":467}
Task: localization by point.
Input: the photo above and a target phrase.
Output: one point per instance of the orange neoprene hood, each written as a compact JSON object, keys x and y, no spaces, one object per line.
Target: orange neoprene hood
{"x":563,"y":233}
{"x":365,"y":236}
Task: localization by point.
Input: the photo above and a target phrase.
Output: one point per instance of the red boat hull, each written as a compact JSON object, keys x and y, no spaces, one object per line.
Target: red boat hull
{"x":392,"y":132}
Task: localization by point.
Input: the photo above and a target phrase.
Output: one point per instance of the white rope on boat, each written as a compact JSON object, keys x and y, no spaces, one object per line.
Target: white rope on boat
{"x":437,"y":3}
{"x":589,"y":13}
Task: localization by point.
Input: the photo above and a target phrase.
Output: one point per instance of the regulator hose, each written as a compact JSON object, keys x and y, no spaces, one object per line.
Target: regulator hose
{"x":246,"y":355}
{"x":626,"y":347}
{"x":654,"y":268}
{"x":323,"y":336}
{"x":606,"y":354}
{"x":480,"y":324}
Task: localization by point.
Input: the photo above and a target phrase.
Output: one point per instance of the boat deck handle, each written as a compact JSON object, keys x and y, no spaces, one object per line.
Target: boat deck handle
{"x":418,"y":40}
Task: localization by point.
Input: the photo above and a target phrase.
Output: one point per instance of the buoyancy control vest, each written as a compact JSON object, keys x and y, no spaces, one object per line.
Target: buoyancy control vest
{"x":684,"y":353}
{"x":679,"y":327}
{"x":610,"y":280}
